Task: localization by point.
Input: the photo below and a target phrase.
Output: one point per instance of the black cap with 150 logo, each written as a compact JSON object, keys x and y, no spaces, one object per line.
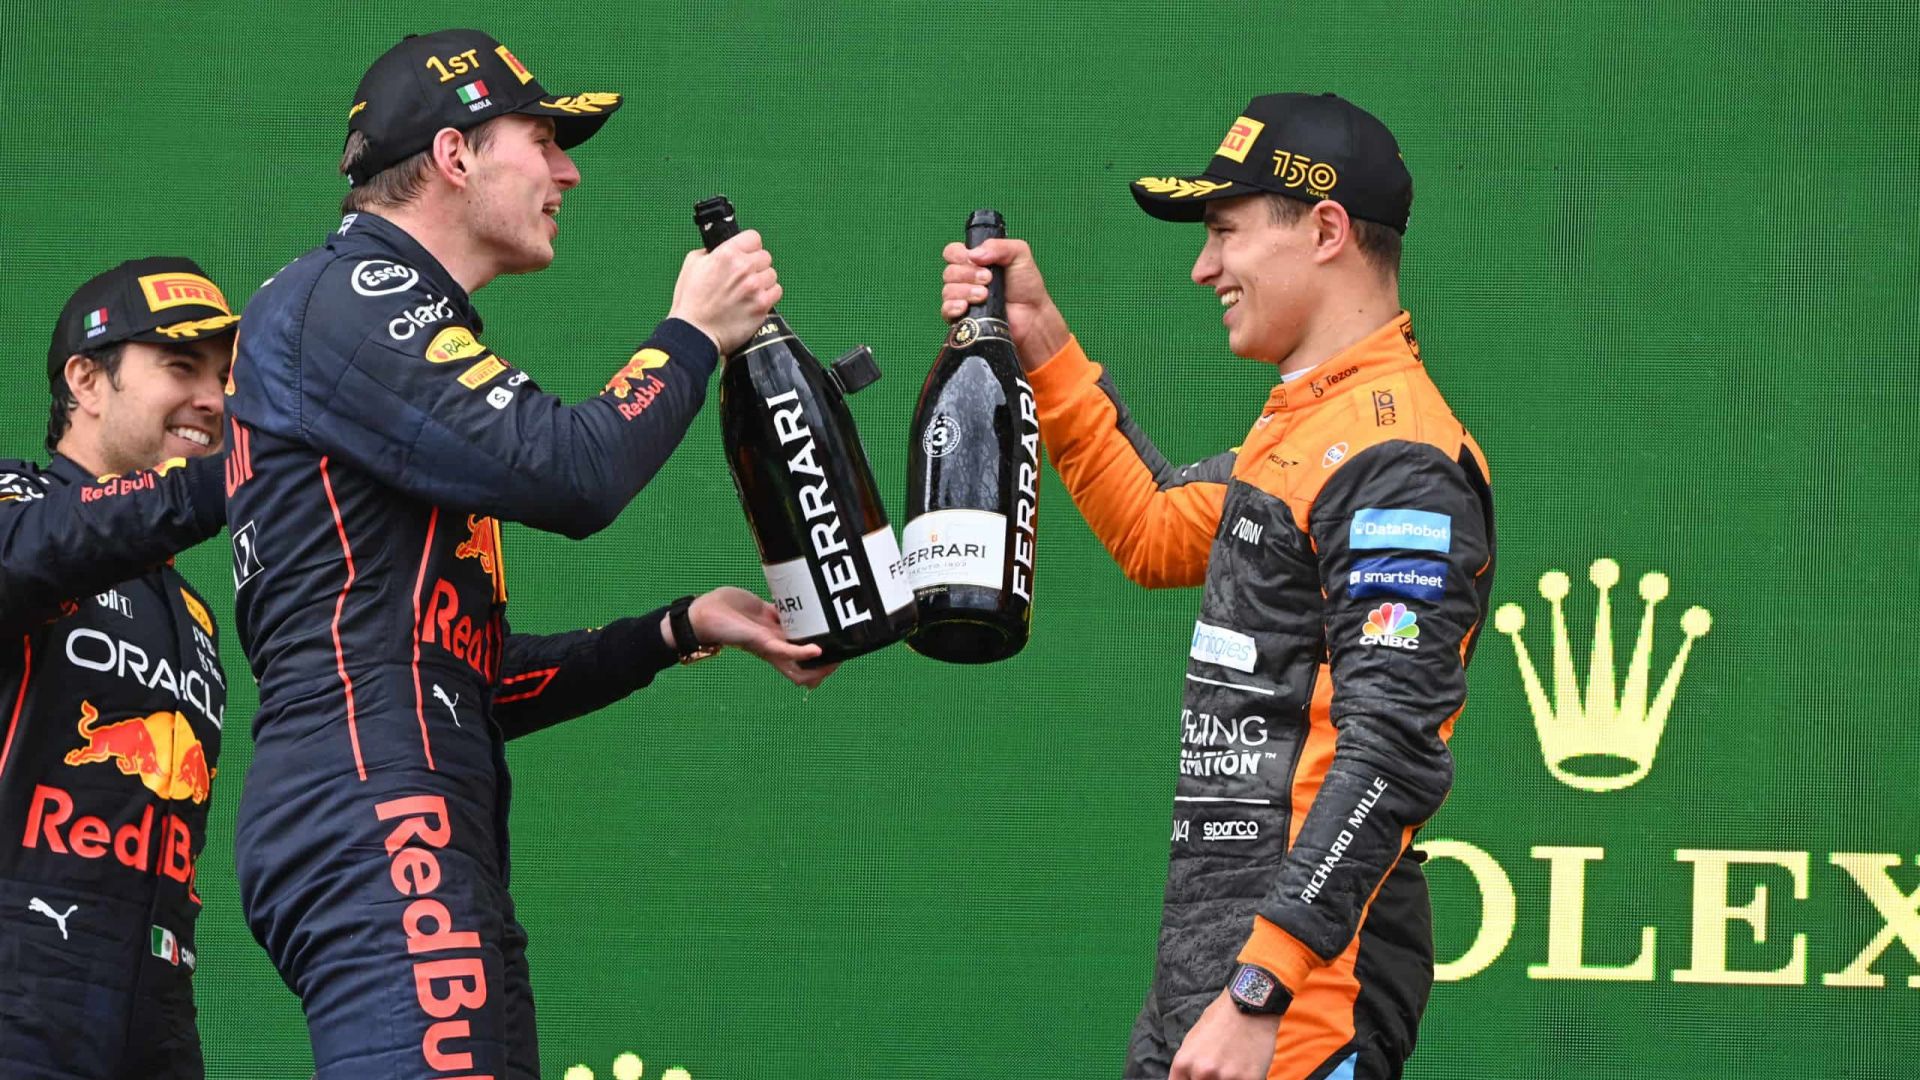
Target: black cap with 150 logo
{"x":1304,"y":146}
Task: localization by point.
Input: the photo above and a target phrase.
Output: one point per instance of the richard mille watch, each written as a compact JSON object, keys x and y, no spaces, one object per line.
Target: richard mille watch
{"x":1255,"y":990}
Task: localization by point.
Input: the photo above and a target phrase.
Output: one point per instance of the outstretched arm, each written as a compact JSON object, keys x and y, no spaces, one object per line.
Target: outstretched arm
{"x":391,"y":385}
{"x":60,"y":540}
{"x":546,"y":679}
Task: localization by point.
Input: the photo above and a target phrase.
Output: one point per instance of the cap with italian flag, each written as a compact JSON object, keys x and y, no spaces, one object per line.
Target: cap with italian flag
{"x":455,"y":79}
{"x":162,"y":299}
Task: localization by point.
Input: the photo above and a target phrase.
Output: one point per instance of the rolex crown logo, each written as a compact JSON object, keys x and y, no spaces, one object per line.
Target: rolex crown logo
{"x":1589,"y":739}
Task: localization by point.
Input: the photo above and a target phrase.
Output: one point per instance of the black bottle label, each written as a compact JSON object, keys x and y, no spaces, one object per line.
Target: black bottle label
{"x":804,"y":612}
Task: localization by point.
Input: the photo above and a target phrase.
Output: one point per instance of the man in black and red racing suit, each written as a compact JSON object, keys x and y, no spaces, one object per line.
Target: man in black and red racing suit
{"x":377,"y":444}
{"x":111,"y":692}
{"x":1346,"y":548}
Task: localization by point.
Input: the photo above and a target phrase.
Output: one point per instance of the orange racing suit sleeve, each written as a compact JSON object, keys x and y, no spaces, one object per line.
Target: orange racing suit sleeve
{"x":1156,"y":520}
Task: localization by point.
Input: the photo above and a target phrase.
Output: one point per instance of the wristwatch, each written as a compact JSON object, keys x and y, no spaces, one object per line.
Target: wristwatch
{"x":684,"y":639}
{"x":1255,"y":990}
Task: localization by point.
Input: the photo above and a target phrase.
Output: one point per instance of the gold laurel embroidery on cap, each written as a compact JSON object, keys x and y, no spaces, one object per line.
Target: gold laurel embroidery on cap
{"x":199,"y":326}
{"x":584,"y":103}
{"x":1174,"y":187}
{"x":355,"y":111}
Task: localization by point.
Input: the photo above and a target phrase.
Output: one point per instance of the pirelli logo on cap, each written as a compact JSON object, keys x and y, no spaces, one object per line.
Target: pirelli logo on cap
{"x":178,"y":289}
{"x":1239,"y":139}
{"x":454,"y":343}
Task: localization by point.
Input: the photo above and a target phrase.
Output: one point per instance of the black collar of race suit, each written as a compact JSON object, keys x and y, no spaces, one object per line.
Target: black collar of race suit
{"x":363,"y":233}
{"x":69,"y":470}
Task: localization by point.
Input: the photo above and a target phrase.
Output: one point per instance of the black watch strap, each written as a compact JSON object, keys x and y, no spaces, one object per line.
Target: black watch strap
{"x":685,"y":641}
{"x":1256,"y":990}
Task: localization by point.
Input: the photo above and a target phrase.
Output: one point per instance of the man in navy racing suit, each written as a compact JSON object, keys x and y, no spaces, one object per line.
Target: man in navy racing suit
{"x":111,"y":691}
{"x":377,"y":445}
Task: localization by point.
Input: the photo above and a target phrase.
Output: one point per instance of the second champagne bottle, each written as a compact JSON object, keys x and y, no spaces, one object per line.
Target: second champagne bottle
{"x":973,"y":486}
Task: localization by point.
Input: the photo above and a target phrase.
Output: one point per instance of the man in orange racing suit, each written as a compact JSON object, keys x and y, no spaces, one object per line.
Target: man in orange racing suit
{"x":1347,"y":553}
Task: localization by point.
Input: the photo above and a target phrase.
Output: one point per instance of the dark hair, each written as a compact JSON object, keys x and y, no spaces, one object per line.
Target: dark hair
{"x":401,"y":182}
{"x":1379,"y":244}
{"x":60,"y":409}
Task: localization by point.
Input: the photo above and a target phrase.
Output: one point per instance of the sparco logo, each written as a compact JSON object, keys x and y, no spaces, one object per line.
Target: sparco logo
{"x":378,"y":277}
{"x":413,"y":320}
{"x":1230,"y":830}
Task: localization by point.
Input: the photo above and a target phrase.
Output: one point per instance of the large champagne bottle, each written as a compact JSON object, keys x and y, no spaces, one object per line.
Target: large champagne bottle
{"x":973,"y":486}
{"x":832,"y":564}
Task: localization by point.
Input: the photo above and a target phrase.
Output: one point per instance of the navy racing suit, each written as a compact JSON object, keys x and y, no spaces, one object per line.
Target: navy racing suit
{"x":377,"y":445}
{"x":111,"y":701}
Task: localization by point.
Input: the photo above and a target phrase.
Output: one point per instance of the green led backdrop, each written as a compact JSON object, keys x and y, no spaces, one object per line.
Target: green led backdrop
{"x":1662,"y":262}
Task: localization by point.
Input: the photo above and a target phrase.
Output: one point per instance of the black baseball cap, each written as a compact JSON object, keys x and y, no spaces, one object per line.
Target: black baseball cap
{"x":1305,"y":146}
{"x":456,"y":79}
{"x":165,"y":298}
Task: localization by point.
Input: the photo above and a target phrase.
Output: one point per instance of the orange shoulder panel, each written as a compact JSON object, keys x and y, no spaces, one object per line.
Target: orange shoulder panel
{"x":1393,"y":403}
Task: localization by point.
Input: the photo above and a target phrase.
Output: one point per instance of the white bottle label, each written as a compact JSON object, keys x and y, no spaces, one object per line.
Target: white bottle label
{"x":956,"y":547}
{"x":802,"y":615}
{"x":791,"y":585}
{"x":889,"y":570}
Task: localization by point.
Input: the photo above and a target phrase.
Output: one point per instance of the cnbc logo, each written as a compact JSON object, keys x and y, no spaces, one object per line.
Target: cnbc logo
{"x":1751,"y":910}
{"x":1602,"y":738}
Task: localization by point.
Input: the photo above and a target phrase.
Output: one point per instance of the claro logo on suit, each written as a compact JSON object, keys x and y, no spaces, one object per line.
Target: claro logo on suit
{"x":1603,"y":740}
